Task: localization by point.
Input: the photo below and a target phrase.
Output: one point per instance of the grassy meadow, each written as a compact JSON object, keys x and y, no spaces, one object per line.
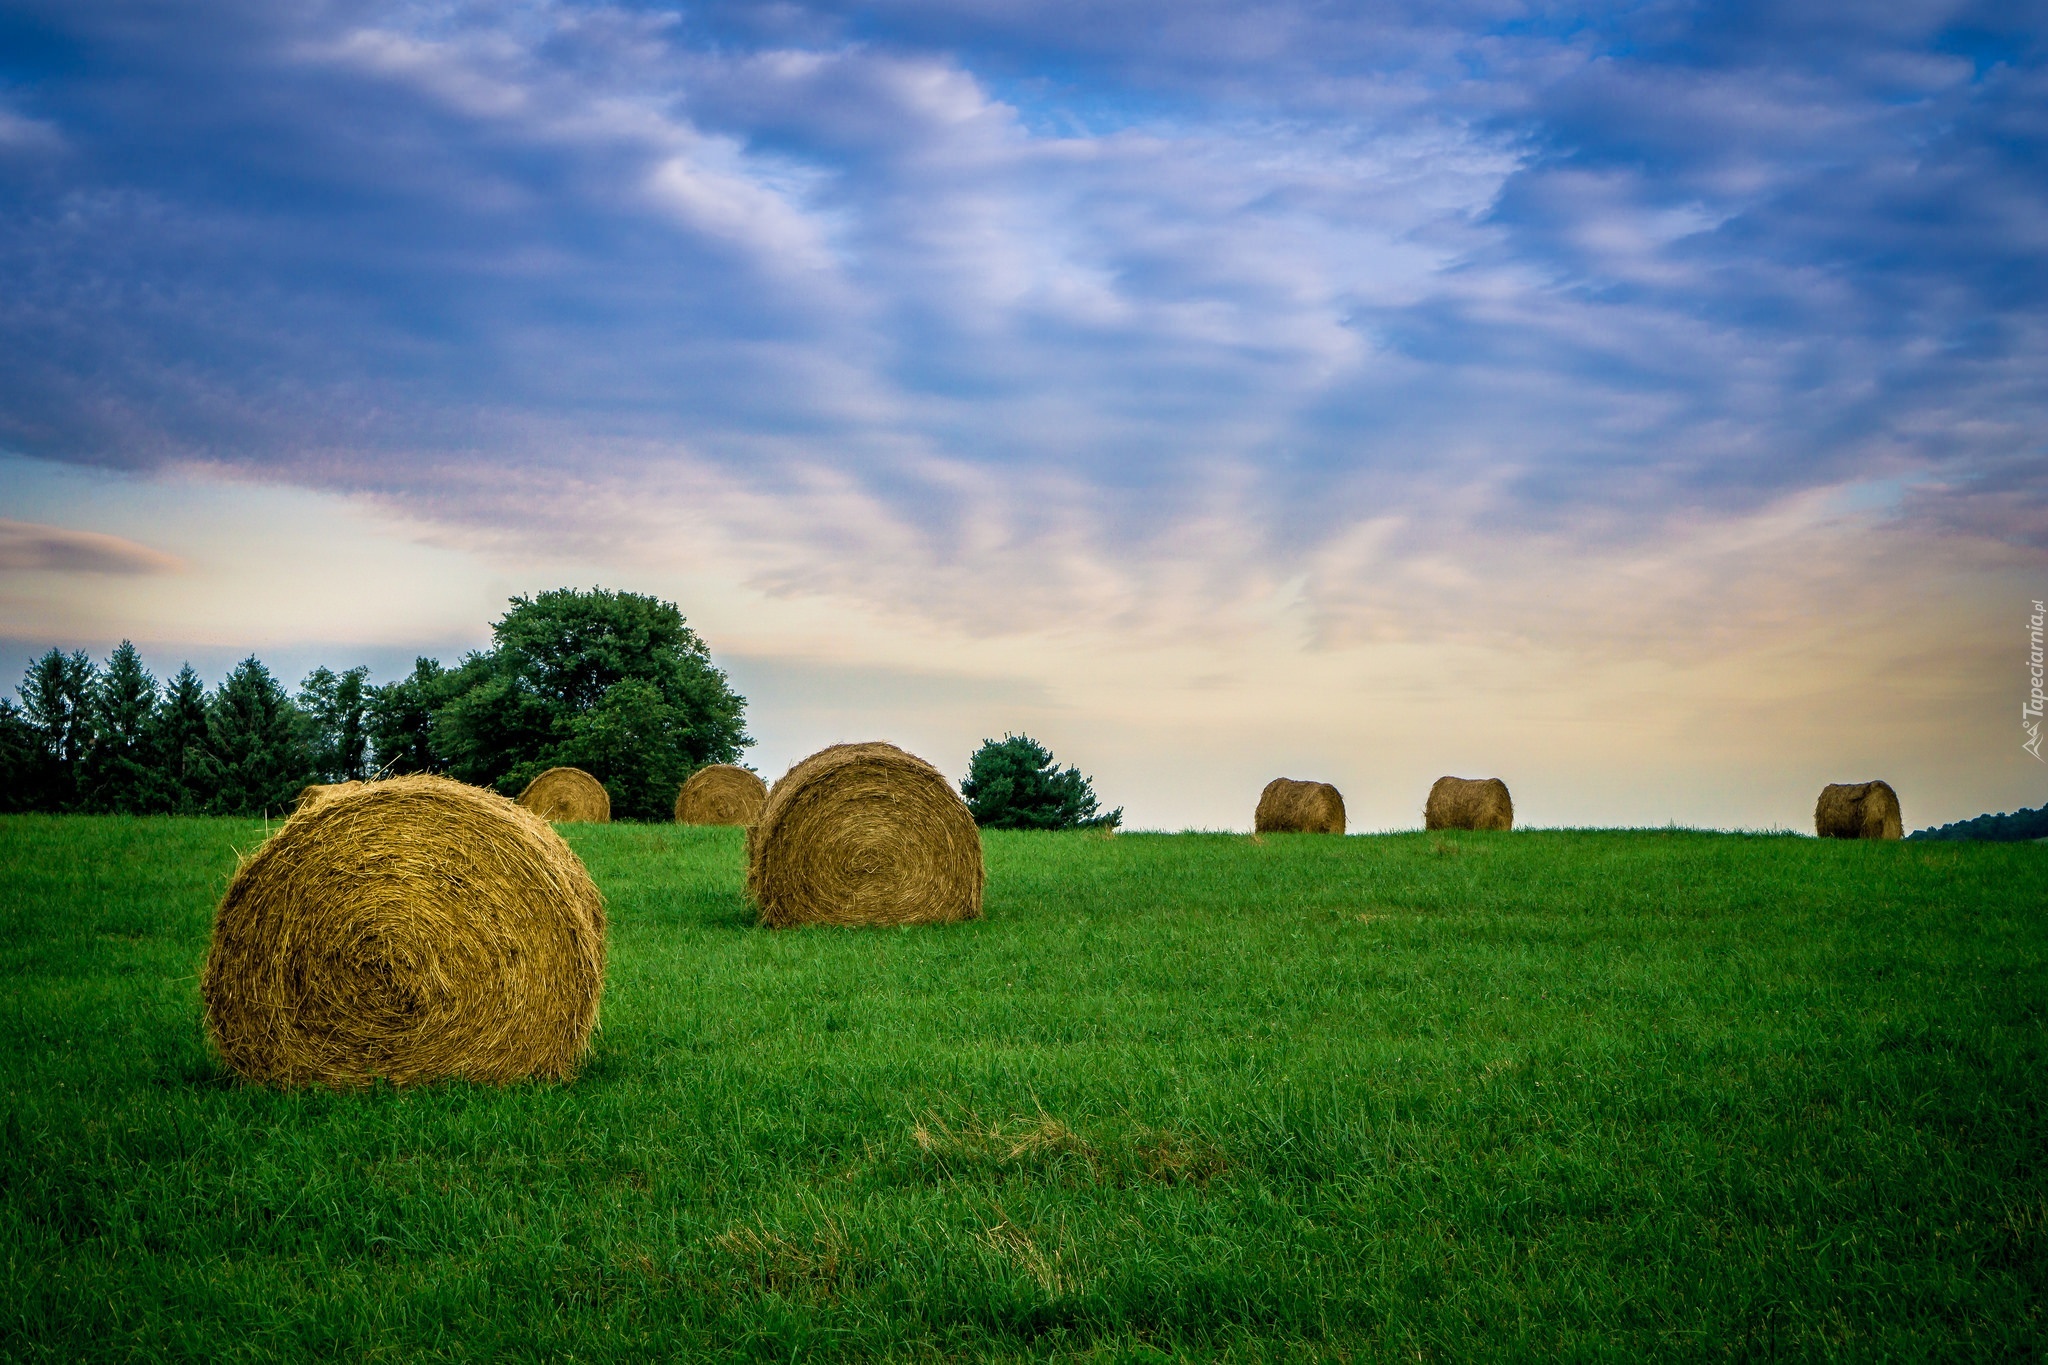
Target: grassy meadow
{"x":1545,"y":1094}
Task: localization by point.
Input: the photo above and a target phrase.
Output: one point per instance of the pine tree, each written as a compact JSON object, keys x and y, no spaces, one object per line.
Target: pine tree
{"x":1014,"y":783}
{"x":335,"y":707}
{"x":21,"y":757}
{"x":118,"y":771}
{"x":175,"y":748}
{"x":256,"y":757}
{"x":56,"y":698}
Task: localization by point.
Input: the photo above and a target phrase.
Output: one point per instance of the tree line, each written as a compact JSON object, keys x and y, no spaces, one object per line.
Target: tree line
{"x":614,"y":683}
{"x":2016,"y":827}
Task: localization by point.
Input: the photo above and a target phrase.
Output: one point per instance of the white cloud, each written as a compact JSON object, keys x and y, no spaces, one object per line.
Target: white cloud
{"x":447,"y":71}
{"x":19,"y":133}
{"x":710,"y":188}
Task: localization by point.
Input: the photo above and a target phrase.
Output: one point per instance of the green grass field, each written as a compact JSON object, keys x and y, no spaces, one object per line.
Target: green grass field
{"x":1545,"y":1094}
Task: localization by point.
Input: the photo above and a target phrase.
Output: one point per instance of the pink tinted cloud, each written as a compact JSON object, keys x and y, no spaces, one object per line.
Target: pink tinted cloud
{"x":28,"y":545}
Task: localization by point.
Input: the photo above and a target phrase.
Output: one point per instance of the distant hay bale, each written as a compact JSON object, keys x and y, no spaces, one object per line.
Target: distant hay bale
{"x":315,"y":793}
{"x":567,"y":796}
{"x":864,"y":834}
{"x":418,"y":930}
{"x":1290,"y":807}
{"x":1469,"y":803}
{"x":722,"y":794}
{"x":1857,"y":810}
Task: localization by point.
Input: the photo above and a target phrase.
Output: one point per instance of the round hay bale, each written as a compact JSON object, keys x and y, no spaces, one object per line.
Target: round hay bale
{"x":418,"y":930}
{"x":315,"y":793}
{"x":1290,"y":807}
{"x":722,"y":794}
{"x":864,"y":834}
{"x":568,"y":796}
{"x":1858,"y":810}
{"x":1469,"y":803}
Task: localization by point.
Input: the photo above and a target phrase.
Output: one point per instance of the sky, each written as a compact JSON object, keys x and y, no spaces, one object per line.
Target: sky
{"x":1644,"y":403}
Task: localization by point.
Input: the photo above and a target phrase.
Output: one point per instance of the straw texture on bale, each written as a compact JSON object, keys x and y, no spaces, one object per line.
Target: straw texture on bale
{"x":568,"y":795}
{"x":1858,"y":810}
{"x":1469,"y":803}
{"x":722,"y":794}
{"x":314,"y":793}
{"x":1290,"y":807}
{"x":414,"y":929}
{"x":864,"y":834}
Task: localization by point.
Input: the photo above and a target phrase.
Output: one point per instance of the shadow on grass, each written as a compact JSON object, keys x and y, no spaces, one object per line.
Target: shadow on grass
{"x":730,"y":912}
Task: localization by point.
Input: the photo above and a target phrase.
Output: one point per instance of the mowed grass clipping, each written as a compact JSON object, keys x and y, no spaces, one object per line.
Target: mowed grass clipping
{"x":1538,"y":1094}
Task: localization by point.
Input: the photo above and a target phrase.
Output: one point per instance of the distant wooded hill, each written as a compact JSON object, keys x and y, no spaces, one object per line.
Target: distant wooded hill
{"x":1996,"y":829}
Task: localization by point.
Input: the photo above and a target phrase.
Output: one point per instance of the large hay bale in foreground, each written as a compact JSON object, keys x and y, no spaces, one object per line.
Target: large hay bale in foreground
{"x":315,"y":793}
{"x":864,"y":834}
{"x":566,"y":796}
{"x":722,"y":794}
{"x":1469,"y":803}
{"x":413,"y":930}
{"x":1290,"y":807}
{"x":1858,"y":810}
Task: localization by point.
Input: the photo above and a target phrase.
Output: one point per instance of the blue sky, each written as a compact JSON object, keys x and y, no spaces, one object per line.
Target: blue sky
{"x":1372,"y":390}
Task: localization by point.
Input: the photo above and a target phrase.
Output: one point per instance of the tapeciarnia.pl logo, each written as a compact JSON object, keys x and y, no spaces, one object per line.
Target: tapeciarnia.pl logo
{"x":2030,"y":710}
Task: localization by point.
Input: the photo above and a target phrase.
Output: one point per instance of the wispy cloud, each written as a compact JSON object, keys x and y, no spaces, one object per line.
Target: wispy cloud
{"x":29,"y":546}
{"x":21,"y":135}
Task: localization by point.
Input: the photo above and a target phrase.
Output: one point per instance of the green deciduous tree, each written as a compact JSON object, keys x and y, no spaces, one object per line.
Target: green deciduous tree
{"x":256,"y":756}
{"x":1014,"y":783}
{"x":120,"y":769}
{"x":615,"y":683}
{"x":334,"y":708}
{"x":637,"y":741}
{"x":401,"y":719}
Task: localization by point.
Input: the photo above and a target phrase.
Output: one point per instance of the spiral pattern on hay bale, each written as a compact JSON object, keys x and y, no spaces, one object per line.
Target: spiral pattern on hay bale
{"x":722,"y":794}
{"x":414,"y":929}
{"x":1469,"y":803}
{"x":1290,"y":807}
{"x":864,"y":834}
{"x":1858,"y":810}
{"x":568,"y":796}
